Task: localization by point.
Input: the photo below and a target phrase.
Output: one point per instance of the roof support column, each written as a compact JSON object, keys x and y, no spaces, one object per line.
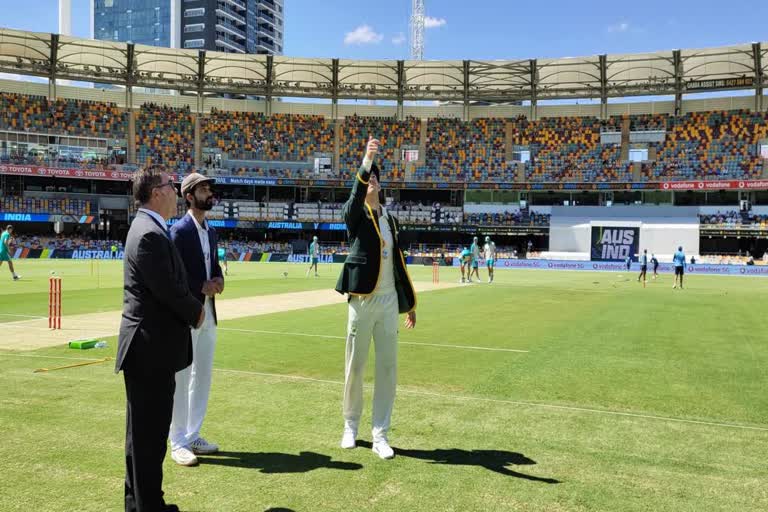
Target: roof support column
{"x":52,"y":69}
{"x":758,"y":60}
{"x":534,"y":92}
{"x":603,"y":87}
{"x":270,"y":82}
{"x":678,"y":65}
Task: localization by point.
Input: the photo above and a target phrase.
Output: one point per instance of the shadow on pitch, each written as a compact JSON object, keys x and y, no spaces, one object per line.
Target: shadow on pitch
{"x":492,"y":460}
{"x":270,"y":462}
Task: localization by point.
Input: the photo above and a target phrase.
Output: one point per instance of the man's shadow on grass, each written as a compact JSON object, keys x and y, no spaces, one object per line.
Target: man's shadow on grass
{"x":270,"y":462}
{"x":492,"y":460}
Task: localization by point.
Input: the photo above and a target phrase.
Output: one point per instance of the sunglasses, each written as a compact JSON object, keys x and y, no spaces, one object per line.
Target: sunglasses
{"x":171,"y":184}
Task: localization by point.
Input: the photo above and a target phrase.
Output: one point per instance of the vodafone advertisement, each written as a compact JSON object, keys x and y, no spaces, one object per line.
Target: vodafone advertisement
{"x":608,"y":266}
{"x":115,"y":175}
{"x":715,"y":185}
{"x":60,"y":172}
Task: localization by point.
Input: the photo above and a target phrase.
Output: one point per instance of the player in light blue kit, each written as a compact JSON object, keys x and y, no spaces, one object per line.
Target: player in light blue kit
{"x":643,"y":268}
{"x":679,"y":261}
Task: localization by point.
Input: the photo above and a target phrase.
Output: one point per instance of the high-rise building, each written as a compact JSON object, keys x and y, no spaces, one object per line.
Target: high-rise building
{"x":150,"y":22}
{"x":235,"y":26}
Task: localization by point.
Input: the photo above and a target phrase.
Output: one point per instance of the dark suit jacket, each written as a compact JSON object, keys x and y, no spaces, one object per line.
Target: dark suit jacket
{"x":158,"y":309}
{"x":360,"y":275}
{"x":187,"y":240}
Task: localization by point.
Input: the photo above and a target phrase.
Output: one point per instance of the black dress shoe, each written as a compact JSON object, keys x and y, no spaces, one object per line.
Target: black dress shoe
{"x":170,"y":507}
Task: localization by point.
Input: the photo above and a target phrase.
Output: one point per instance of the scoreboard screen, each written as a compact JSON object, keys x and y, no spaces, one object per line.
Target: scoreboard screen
{"x":410,"y":155}
{"x":323,"y":164}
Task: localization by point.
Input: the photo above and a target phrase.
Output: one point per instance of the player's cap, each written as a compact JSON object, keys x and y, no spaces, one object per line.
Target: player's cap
{"x":193,"y":180}
{"x":314,"y":238}
{"x":487,"y":239}
{"x":475,"y":239}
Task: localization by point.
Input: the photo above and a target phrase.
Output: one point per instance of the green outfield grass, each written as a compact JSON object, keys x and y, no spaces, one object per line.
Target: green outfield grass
{"x":545,"y":391}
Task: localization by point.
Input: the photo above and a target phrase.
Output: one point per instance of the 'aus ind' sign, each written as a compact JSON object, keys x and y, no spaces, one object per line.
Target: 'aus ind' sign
{"x":614,"y":243}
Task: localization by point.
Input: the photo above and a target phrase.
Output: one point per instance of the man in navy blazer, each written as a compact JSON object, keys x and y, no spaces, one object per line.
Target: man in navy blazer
{"x":197,"y":244}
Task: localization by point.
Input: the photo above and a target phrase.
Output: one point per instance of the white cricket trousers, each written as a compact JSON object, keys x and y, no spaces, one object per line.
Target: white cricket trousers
{"x":193,"y":385}
{"x":377,"y":316}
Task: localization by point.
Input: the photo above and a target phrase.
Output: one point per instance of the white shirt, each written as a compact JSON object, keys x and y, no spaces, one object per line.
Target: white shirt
{"x":202,"y":234}
{"x":205,"y":244}
{"x":159,"y":218}
{"x":387,"y":276}
{"x":490,"y":251}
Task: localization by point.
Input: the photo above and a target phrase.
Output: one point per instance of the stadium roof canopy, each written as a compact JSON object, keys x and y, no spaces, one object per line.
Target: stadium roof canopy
{"x":602,"y":76}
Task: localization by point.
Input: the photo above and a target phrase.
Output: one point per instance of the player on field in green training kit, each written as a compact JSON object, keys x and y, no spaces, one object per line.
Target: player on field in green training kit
{"x":475,"y":250}
{"x":465,"y":257}
{"x":221,"y":252}
{"x":5,"y":251}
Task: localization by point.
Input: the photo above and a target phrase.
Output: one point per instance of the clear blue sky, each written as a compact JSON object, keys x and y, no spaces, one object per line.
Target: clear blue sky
{"x":479,"y":29}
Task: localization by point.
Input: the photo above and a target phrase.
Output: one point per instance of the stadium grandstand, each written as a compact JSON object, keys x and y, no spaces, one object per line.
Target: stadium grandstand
{"x":469,"y":147}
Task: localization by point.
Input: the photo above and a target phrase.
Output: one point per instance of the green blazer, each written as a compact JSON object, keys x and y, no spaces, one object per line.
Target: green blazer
{"x":360,"y":274}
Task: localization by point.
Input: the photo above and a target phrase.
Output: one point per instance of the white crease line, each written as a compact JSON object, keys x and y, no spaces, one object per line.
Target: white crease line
{"x":25,"y":316}
{"x":510,"y":402}
{"x":328,"y":336}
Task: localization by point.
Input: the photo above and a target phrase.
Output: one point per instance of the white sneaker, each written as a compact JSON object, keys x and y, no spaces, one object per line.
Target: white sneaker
{"x":16,"y":277}
{"x":348,"y":440}
{"x":202,"y":447}
{"x":184,"y":457}
{"x":383,"y":450}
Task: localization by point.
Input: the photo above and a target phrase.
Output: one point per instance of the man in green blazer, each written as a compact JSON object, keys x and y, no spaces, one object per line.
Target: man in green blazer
{"x":379,"y":287}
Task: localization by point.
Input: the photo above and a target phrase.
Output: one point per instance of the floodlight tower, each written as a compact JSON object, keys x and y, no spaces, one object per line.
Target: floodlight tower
{"x":417,"y":30}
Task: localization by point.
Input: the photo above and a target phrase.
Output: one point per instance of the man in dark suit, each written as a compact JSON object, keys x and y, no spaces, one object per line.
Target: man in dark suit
{"x":197,"y":243}
{"x":154,"y":341}
{"x":377,"y":281}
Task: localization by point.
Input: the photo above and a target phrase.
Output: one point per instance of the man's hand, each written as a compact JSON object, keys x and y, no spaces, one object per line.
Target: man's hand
{"x":201,"y":320}
{"x":372,"y":148}
{"x":210,"y":288}
{"x":410,"y":320}
{"x":219,"y":284}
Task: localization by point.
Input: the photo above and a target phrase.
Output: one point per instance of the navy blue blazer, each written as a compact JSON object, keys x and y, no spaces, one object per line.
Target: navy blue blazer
{"x":187,"y":241}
